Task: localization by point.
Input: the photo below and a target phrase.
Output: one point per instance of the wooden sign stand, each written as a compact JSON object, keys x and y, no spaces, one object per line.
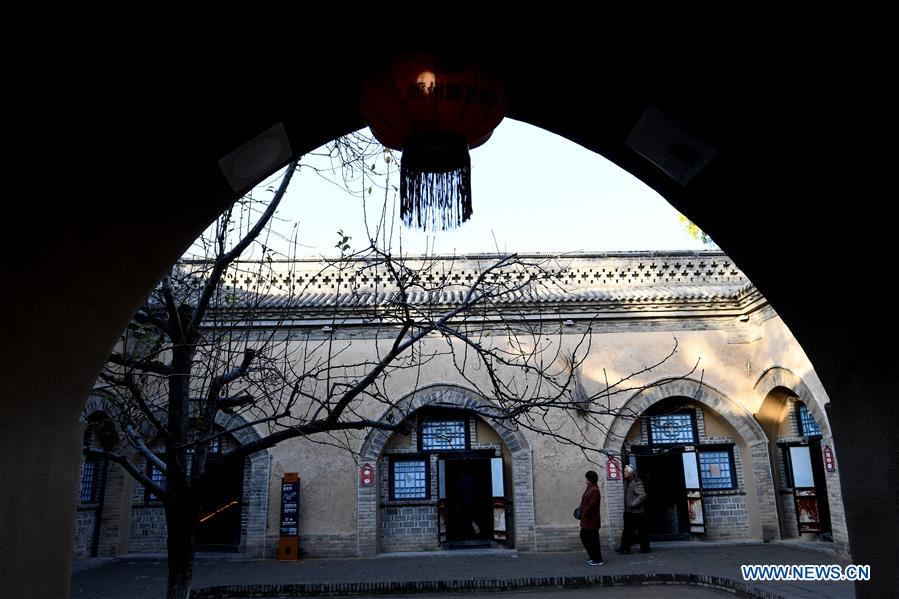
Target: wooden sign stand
{"x":288,"y":542}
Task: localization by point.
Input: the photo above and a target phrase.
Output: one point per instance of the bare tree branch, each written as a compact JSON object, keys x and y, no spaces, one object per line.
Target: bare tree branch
{"x":223,"y":261}
{"x":145,"y":364}
{"x":133,"y":470}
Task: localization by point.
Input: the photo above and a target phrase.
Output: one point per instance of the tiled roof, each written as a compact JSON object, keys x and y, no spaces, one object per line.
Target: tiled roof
{"x":608,"y":278}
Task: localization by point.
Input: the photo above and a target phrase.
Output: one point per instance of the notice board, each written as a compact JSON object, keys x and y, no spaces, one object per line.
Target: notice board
{"x":290,"y":516}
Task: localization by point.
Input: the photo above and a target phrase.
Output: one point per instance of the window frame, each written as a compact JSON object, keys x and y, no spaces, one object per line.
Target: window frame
{"x":800,"y":405}
{"x":98,"y":473}
{"x":151,"y":468}
{"x":691,"y":412}
{"x":414,"y":457}
{"x":719,"y":448}
{"x":466,"y":427}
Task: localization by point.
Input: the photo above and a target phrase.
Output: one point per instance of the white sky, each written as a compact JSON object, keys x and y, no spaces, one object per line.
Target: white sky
{"x":532,"y":191}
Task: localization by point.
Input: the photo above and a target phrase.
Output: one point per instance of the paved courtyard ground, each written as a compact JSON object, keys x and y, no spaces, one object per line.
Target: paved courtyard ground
{"x":144,"y":578}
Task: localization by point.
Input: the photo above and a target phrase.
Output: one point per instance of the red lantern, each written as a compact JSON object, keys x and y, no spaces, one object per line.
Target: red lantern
{"x":434,"y":110}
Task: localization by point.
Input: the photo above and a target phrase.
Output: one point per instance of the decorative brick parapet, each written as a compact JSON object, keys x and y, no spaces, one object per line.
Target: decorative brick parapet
{"x":594,"y":270}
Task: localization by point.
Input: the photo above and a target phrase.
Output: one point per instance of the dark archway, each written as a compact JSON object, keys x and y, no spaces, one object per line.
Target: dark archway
{"x":767,"y":115}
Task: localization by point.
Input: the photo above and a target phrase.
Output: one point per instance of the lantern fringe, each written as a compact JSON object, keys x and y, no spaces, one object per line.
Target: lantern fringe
{"x":435,"y":201}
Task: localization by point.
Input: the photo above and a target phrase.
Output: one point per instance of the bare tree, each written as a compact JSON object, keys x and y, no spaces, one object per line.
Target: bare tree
{"x":204,"y":345}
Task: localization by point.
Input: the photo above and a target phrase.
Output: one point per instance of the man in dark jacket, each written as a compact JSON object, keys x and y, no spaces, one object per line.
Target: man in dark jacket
{"x":634,"y":513}
{"x":590,"y":519}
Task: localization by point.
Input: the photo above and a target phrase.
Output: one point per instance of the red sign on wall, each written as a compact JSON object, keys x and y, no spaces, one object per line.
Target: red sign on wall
{"x":828,"y":459}
{"x":368,"y":475}
{"x":613,"y":471}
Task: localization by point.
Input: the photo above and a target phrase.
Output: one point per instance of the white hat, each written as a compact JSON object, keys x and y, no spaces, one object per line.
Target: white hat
{"x":630,"y":468}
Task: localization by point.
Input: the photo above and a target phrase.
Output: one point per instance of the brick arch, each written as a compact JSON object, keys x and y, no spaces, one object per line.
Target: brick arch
{"x":450,"y":396}
{"x":255,"y":479}
{"x":733,"y":413}
{"x":779,"y":377}
{"x":98,"y":403}
{"x":736,"y":415}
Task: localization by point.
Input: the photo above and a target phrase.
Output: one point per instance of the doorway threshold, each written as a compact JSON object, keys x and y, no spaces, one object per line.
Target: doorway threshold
{"x":453,"y":545}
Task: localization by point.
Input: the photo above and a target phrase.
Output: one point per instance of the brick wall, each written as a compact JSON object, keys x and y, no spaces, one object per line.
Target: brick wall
{"x":835,"y":498}
{"x":725,"y":516}
{"x":409,"y":527}
{"x":114,"y":502}
{"x":110,"y":516}
{"x":319,"y":545}
{"x":561,"y":538}
{"x":148,"y":534}
{"x":85,"y":520}
{"x":791,"y":527}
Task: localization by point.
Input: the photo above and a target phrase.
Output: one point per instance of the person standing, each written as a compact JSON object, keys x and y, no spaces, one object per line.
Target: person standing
{"x":634,"y":513}
{"x":590,"y":519}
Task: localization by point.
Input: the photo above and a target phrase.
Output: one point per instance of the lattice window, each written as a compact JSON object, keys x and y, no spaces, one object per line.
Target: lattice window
{"x":716,"y":469}
{"x":672,"y":429}
{"x":443,"y":434}
{"x":89,"y":477}
{"x":410,"y":479}
{"x":158,"y":477}
{"x":807,"y":425}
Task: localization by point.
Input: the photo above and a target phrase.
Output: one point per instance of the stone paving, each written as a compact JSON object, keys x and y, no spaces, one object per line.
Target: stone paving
{"x":142,"y":578}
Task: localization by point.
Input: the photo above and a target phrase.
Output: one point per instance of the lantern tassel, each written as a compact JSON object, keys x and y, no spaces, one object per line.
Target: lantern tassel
{"x":435,"y":182}
{"x":435,"y":201}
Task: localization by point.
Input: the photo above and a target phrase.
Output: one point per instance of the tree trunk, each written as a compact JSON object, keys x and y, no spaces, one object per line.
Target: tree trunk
{"x":181,"y":527}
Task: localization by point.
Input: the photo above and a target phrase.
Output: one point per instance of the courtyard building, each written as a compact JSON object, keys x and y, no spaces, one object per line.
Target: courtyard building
{"x":729,"y":433}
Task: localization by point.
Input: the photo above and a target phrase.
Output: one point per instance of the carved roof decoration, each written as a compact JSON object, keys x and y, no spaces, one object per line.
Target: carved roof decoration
{"x":655,"y":279}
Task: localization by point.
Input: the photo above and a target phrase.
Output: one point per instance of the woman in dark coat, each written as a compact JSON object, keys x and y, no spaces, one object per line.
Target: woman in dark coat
{"x":590,"y":521}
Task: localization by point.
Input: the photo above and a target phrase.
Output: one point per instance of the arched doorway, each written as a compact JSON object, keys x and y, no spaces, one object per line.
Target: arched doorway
{"x":233,"y":505}
{"x":803,"y":459}
{"x":99,"y":434}
{"x":117,"y":516}
{"x":467,"y":479}
{"x":221,"y":500}
{"x":706,"y":461}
